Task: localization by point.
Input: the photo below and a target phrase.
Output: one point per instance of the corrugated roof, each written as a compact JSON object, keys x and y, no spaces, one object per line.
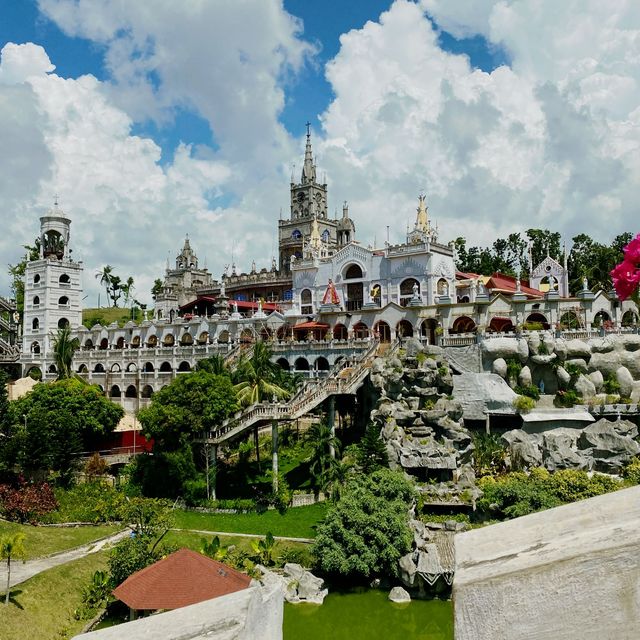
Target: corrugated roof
{"x":182,"y":578}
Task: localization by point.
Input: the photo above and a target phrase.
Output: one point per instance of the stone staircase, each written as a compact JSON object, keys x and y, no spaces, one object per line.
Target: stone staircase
{"x":344,"y":378}
{"x":464,"y":359}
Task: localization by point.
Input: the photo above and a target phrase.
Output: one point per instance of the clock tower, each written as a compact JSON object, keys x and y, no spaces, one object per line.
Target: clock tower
{"x":308,"y":202}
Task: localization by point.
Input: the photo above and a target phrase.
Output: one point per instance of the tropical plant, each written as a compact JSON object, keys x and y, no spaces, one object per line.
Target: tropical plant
{"x":64,"y":348}
{"x":322,"y":462}
{"x":264,"y":548}
{"x":214,"y":364}
{"x":489,"y":454}
{"x":257,"y":377}
{"x":214,"y":549}
{"x":12,"y":547}
{"x":105,"y":278}
{"x":372,"y":451}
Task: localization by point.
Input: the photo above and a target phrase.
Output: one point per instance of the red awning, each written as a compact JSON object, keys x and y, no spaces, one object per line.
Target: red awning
{"x":311,"y":325}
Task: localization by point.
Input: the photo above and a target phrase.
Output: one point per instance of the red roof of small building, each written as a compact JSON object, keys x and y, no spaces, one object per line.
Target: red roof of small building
{"x":501,"y":283}
{"x":467,"y":275}
{"x":311,"y":325}
{"x":182,"y":578}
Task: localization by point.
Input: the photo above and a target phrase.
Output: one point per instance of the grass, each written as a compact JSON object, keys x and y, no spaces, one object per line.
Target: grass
{"x":300,"y":522}
{"x":106,"y":315}
{"x":42,"y":541}
{"x":43,"y":606}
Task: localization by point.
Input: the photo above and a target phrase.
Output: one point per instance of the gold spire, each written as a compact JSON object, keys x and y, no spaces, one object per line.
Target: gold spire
{"x":422,"y":219}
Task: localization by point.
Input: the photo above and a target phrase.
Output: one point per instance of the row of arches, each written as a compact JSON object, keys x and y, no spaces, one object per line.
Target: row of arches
{"x":130,"y":391}
{"x":132,"y":367}
{"x":303,"y":364}
{"x":168,"y":340}
{"x":64,"y":279}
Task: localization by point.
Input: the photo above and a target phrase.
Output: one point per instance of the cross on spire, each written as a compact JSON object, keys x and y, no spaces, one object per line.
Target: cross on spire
{"x":308,"y":125}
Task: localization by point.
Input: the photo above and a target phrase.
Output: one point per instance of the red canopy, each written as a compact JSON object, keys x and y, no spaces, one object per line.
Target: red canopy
{"x":182,"y":578}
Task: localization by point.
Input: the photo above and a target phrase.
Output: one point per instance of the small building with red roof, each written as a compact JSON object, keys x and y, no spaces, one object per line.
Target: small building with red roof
{"x":183,"y":578}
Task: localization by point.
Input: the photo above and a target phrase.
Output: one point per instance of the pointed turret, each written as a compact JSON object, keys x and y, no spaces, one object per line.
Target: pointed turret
{"x":308,"y":169}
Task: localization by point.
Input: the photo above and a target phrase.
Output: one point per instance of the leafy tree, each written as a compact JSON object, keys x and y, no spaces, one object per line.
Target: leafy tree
{"x":64,"y":348}
{"x":192,"y":404}
{"x":372,"y":452}
{"x":12,"y":546}
{"x":166,"y":474}
{"x":4,"y":403}
{"x":55,"y":422}
{"x":127,"y":290}
{"x":257,"y":377}
{"x":157,"y":288}
{"x":322,"y":464}
{"x":214,"y":364}
{"x":366,"y":532}
{"x":26,"y":502}
{"x":115,"y":290}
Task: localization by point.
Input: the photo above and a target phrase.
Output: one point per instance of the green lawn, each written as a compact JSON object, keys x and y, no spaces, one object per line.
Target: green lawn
{"x":43,"y":606}
{"x":42,"y":541}
{"x":300,"y":522}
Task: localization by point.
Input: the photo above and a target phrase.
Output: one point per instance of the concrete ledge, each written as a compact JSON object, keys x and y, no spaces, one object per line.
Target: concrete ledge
{"x":565,"y":573}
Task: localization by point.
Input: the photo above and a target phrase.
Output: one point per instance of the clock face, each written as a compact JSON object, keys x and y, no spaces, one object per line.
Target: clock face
{"x":301,"y":196}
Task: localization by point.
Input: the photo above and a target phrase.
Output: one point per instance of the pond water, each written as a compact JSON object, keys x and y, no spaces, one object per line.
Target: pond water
{"x":368,"y":615}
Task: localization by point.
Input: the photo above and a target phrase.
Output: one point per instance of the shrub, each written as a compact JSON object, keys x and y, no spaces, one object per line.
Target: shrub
{"x":573,"y":370}
{"x":514,"y":367}
{"x":524,"y":404}
{"x":95,"y":466}
{"x":88,"y":502}
{"x":26,"y":502}
{"x":194,"y":492}
{"x":611,"y":385}
{"x":489,"y":454}
{"x":533,"y":326}
{"x":530,"y":391}
{"x":567,"y":398}
{"x":631,"y":472}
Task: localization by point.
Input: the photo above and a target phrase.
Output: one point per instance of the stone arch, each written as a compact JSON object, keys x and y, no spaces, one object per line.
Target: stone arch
{"x":168,"y":340}
{"x":166,"y":367}
{"x":406,"y":290}
{"x":463,"y":324}
{"x":340,"y":332}
{"x":247,"y":336}
{"x":382,"y":330}
{"x":306,"y":302}
{"x":104,"y":344}
{"x":501,"y":324}
{"x":83,"y":369}
{"x":352,"y":271}
{"x":428,"y":330}
{"x":132,"y":367}
{"x":35,"y":324}
{"x":64,"y":279}
{"x":35,"y":373}
{"x":301,"y":364}
{"x":152,"y":342}
{"x":283,"y":363}
{"x":148,"y":367}
{"x":147,"y":391}
{"x":538,"y":318}
{"x":360,"y":330}
{"x":135,"y":342}
{"x":120,"y":343}
{"x":203,"y":338}
{"x":223,"y":337}
{"x":629,"y":318}
{"x":52,"y":369}
{"x":36,"y":301}
{"x":570,"y":320}
{"x":131,"y":392}
{"x":115,"y":368}
{"x":601,"y":318}
{"x":63,"y":301}
{"x":404,"y":329}
{"x":321,"y":364}
{"x":63,"y":323}
{"x":99,"y":368}
{"x":184,"y":366}
{"x":186,"y":340}
{"x":35,"y":347}
{"x":115,"y":392}
{"x":88,"y":343}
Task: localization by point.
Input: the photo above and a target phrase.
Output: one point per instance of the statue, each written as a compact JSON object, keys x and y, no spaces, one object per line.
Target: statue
{"x":235,"y":307}
{"x":415,"y":289}
{"x":585,"y":284}
{"x":253,"y":266}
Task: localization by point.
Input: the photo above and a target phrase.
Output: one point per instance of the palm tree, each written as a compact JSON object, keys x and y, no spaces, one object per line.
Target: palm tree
{"x":127,"y":289}
{"x":12,"y":547}
{"x":258,"y":377}
{"x":214,"y":364}
{"x":105,"y":277}
{"x":64,"y":348}
{"x":322,"y":462}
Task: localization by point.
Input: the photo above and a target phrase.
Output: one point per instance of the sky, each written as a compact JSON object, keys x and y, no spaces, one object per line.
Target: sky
{"x":152,"y":120}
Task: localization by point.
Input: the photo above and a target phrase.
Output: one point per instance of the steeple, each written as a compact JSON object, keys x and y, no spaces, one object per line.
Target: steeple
{"x":308,"y":169}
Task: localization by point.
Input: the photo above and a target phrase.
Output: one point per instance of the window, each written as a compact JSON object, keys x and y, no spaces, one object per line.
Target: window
{"x":63,"y":301}
{"x":36,"y":301}
{"x":354,"y":271}
{"x":306,"y":305}
{"x":325,"y":235}
{"x":296,"y":235}
{"x":63,"y":323}
{"x":35,"y":325}
{"x":36,"y":278}
{"x":64,"y":279}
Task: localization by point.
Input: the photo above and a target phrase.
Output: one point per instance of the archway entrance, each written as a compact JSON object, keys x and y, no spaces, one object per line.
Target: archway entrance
{"x":383,"y":330}
{"x":428,"y":330}
{"x":463,"y":324}
{"x":404,"y":329}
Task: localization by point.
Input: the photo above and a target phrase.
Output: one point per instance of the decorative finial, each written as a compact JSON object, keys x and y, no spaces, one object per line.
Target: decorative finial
{"x":55,"y":200}
{"x":308,"y":125}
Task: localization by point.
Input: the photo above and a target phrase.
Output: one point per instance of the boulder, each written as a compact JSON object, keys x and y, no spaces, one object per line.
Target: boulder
{"x":524,"y":377}
{"x":524,"y":449}
{"x":631,"y":360}
{"x":625,"y":380}
{"x":561,"y":348}
{"x":563,"y":377}
{"x":544,"y":358}
{"x":585,"y":387}
{"x":549,"y":341}
{"x":523,"y":349}
{"x":558,"y":452}
{"x":598,"y":380}
{"x":499,"y":348}
{"x":499,"y":367}
{"x":412,"y":347}
{"x":533,"y":341}
{"x":635,"y":393}
{"x":602,"y":345}
{"x":408,"y":569}
{"x":609,"y":449}
{"x":581,"y":363}
{"x":398,"y":594}
{"x":606,"y":362}
{"x":578,"y":349}
{"x":309,"y":588}
{"x":630,"y":341}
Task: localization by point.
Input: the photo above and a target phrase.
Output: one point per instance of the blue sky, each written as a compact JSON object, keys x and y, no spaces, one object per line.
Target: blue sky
{"x":165,"y":118}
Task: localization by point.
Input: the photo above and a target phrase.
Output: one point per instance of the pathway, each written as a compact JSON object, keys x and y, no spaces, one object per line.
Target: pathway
{"x":23,"y":571}
{"x":247,"y":535}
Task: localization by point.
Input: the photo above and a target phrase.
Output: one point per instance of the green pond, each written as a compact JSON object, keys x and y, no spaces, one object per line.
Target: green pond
{"x":369,"y":615}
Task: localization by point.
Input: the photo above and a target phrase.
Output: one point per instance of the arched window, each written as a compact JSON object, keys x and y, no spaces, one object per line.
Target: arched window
{"x":115,"y":368}
{"x":35,"y":348}
{"x":63,"y":323}
{"x":296,"y":235}
{"x":301,"y":364}
{"x":148,"y":368}
{"x":283,"y":363}
{"x":35,"y":325}
{"x":406,"y":290}
{"x":83,"y":369}
{"x":36,"y":301}
{"x":353,"y":271}
{"x":36,"y":278}
{"x":463,"y":324}
{"x":184,"y":366}
{"x":360,"y":330}
{"x":88,"y":343}
{"x":326,"y":235}
{"x":321,"y":364}
{"x":306,"y":306}
{"x":147,"y":391}
{"x":135,"y":342}
{"x":115,"y":392}
{"x":52,"y":368}
{"x":152,"y":341}
{"x":442,"y":287}
{"x":186,"y":340}
{"x":165,"y":367}
{"x":404,"y":329}
{"x":63,"y":301}
{"x":104,"y":344}
{"x":99,"y":368}
{"x":64,"y":279}
{"x":131,"y":392}
{"x":120,"y":343}
{"x":168,"y":340}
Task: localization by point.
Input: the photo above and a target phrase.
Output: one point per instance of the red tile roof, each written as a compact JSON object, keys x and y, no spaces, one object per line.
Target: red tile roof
{"x":500,"y":283}
{"x":311,"y":325}
{"x":182,"y":578}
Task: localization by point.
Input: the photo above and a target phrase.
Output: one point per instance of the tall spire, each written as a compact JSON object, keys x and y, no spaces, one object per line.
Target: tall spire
{"x":422,"y":220}
{"x":309,"y":169}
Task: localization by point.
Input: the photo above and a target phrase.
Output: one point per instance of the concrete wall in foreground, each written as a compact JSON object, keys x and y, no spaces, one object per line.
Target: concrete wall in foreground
{"x":567,"y":573}
{"x":256,"y":612}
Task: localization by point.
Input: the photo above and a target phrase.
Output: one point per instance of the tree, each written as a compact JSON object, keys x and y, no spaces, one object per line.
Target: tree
{"x":366,"y":532}
{"x":258,"y":377}
{"x":322,"y":462}
{"x":11,"y":546}
{"x":105,"y":278}
{"x":55,"y":422}
{"x":214,"y":364}
{"x":64,"y":348}
{"x":4,"y":403}
{"x":372,"y":452}
{"x":157,"y":288}
{"x":127,"y":290}
{"x":192,"y":404}
{"x":115,"y":290}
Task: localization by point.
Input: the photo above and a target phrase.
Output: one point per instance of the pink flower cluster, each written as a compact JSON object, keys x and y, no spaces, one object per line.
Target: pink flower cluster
{"x":626,"y":275}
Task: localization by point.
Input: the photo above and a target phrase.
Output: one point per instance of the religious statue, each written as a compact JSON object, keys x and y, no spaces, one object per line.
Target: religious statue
{"x":585,"y":284}
{"x":235,"y":307}
{"x":330,"y":295}
{"x":415,"y":289}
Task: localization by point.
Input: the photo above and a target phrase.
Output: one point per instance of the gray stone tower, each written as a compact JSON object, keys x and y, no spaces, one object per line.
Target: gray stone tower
{"x":52,"y":290}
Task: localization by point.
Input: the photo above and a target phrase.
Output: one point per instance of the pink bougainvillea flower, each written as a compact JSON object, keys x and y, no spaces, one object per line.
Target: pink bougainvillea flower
{"x":626,"y":278}
{"x":632,"y":251}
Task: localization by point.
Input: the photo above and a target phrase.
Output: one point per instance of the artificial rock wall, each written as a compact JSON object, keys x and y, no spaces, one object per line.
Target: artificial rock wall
{"x":570,"y":573}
